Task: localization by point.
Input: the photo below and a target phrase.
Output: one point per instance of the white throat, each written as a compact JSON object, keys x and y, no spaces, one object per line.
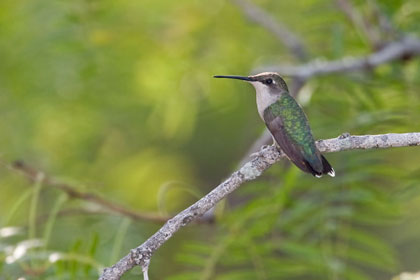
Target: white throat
{"x":264,"y":97}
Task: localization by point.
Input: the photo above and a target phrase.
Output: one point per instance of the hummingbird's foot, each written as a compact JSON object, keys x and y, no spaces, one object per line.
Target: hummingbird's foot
{"x":260,"y":152}
{"x":256,"y":155}
{"x":344,"y":135}
{"x":264,"y":147}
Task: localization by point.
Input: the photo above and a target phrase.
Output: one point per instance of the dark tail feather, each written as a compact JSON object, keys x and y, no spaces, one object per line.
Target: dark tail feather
{"x":327,"y":168}
{"x":310,"y":169}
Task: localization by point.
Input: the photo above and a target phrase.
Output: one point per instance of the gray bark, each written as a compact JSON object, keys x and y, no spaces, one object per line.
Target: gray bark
{"x":249,"y":171}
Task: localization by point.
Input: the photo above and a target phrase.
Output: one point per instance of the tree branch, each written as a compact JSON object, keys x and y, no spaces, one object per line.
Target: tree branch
{"x":288,"y":38}
{"x":405,"y":48}
{"x":388,"y":30}
{"x":32,"y":174}
{"x":372,"y":35}
{"x":250,"y":171}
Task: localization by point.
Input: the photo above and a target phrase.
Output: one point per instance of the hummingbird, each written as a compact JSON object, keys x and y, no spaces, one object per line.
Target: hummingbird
{"x":286,"y":122}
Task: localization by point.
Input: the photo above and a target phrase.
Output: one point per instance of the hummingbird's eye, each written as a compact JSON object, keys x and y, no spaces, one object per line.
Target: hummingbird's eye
{"x":268,"y":81}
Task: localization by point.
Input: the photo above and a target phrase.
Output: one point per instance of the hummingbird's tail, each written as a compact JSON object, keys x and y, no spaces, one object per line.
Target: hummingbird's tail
{"x":327,"y":168}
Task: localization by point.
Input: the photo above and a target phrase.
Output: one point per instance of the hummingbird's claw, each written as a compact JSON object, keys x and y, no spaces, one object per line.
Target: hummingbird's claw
{"x":344,"y":135}
{"x":255,"y":155}
{"x":260,"y":152}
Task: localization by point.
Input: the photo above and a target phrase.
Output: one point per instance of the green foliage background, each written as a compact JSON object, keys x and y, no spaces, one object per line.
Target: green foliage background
{"x":117,"y":98}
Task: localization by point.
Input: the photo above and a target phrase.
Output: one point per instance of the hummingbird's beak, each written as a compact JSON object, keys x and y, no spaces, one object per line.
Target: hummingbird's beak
{"x":248,"y":79}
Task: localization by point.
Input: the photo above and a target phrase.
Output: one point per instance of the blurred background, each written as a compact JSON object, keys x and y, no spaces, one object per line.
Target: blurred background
{"x":116,"y":99}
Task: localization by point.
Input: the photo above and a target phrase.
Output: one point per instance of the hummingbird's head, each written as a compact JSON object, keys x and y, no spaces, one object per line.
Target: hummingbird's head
{"x":267,"y":82}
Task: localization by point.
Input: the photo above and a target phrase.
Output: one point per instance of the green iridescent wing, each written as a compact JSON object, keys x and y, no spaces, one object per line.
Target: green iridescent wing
{"x":289,"y":126}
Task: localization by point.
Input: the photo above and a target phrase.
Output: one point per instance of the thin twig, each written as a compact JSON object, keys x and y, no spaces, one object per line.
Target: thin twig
{"x":32,"y":174}
{"x":83,"y":211}
{"x":250,"y":171}
{"x":146,"y":273}
{"x":387,"y":28}
{"x":361,"y":23}
{"x":281,"y":31}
